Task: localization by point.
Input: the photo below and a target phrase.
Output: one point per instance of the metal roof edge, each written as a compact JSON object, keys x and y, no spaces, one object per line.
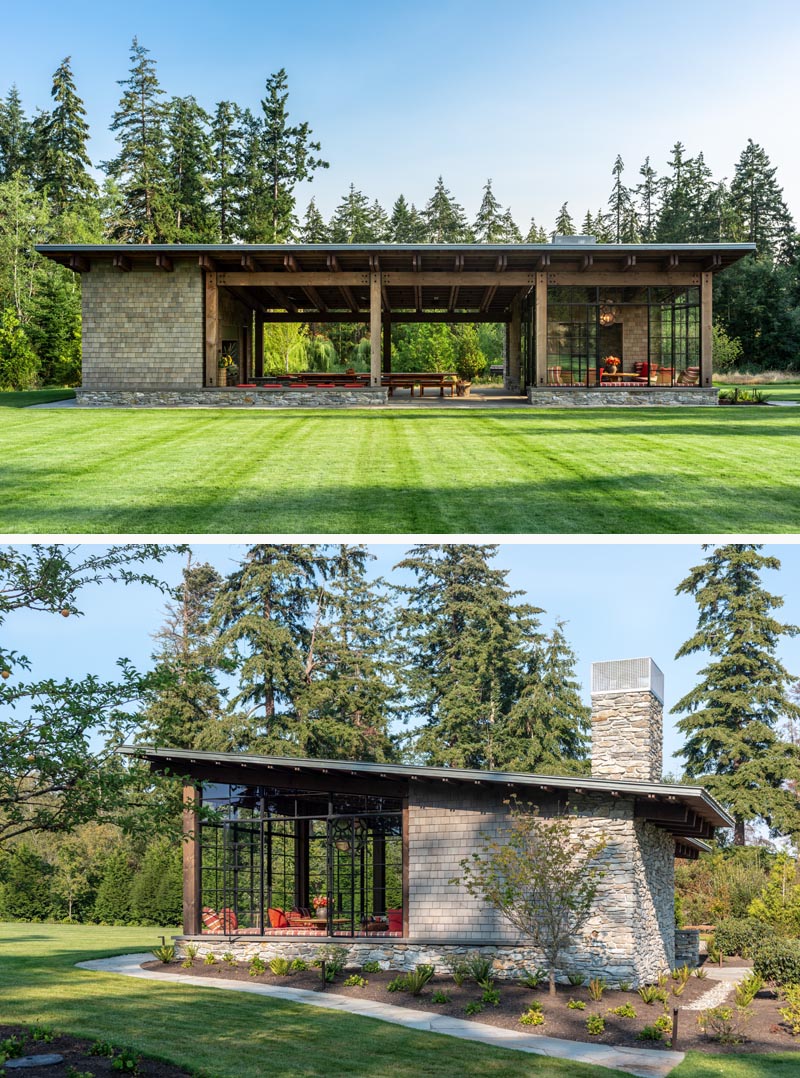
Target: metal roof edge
{"x":195,"y":248}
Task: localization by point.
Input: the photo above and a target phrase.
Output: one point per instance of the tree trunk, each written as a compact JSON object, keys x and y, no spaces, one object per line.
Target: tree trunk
{"x":552,"y":981}
{"x":738,"y":832}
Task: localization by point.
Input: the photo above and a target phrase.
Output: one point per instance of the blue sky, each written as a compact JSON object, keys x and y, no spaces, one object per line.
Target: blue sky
{"x":539,"y":96}
{"x":618,"y":600}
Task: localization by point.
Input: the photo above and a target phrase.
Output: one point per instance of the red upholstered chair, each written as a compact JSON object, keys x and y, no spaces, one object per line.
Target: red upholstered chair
{"x":211,"y":920}
{"x":277,"y":918}
{"x":395,"y":918}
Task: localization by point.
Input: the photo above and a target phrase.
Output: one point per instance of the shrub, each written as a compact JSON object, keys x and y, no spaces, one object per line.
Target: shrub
{"x":651,"y":992}
{"x":663,"y":1023}
{"x":112,"y":904}
{"x":701,"y":973}
{"x":596,"y":988}
{"x":397,"y":984}
{"x":748,"y":989}
{"x":649,"y":1033}
{"x":43,"y":1033}
{"x":440,"y":997}
{"x":257,"y":966}
{"x":12,"y":1047}
{"x":577,"y":1005}
{"x":334,"y":959}
{"x":724,"y":1024}
{"x":491,"y":995}
{"x":190,"y":951}
{"x":681,"y":974}
{"x":778,"y":961}
{"x":279,"y":966}
{"x":791,"y":1012}
{"x":298,"y":965}
{"x":727,"y":350}
{"x":165,"y":953}
{"x":459,"y":968}
{"x":127,"y":1061}
{"x":418,"y":978}
{"x":470,"y":360}
{"x":678,"y":989}
{"x":473,"y":1007}
{"x":479,"y":968}
{"x":576,"y":979}
{"x":625,"y":986}
{"x":595,"y":1024}
{"x":625,"y":1010}
{"x":354,"y":981}
{"x":534,"y":978}
{"x":229,"y":958}
{"x":371,"y":967}
{"x":101,"y":1048}
{"x":740,"y":935}
{"x":532,"y":1017}
{"x":18,"y":363}
{"x":209,"y":960}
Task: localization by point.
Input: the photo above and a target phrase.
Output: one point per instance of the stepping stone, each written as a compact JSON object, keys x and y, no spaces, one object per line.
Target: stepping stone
{"x":45,"y":1060}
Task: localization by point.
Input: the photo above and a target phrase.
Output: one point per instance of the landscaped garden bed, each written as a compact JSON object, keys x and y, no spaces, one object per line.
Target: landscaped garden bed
{"x":504,"y":1003}
{"x":81,"y":1058}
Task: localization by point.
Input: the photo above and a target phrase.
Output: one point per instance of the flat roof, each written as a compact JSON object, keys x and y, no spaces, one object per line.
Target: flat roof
{"x":659,"y":794}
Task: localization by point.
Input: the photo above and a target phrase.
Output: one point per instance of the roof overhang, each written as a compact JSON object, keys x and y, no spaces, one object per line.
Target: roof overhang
{"x":424,"y":282}
{"x":687,"y":812}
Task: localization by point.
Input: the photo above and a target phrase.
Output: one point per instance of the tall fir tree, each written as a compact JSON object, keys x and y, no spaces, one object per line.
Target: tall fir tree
{"x":15,"y":136}
{"x":620,"y":205}
{"x":444,"y":219}
{"x":647,"y":193}
{"x":464,"y":639}
{"x":405,"y":223}
{"x":64,"y":156}
{"x":488,"y":227}
{"x":510,"y":229}
{"x":353,"y":219}
{"x":731,"y":718}
{"x":140,"y":166}
{"x":190,"y":164}
{"x":758,"y":201}
{"x":313,"y":229}
{"x":536,"y":234}
{"x":565,"y":226}
{"x":379,"y":222}
{"x":226,"y":151}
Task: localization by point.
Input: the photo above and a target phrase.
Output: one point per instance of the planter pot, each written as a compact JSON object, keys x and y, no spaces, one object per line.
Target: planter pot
{"x":222,"y":376}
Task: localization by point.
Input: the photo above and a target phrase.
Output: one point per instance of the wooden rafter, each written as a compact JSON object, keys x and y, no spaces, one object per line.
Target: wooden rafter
{"x":347,"y":295}
{"x":671,"y":262}
{"x":164,"y":262}
{"x":313,"y":296}
{"x":416,"y":263}
{"x":122,"y":262}
{"x":206,"y":262}
{"x":500,"y":264}
{"x":542,"y":262}
{"x":714,"y":263}
{"x":586,"y":262}
{"x":458,"y":267}
{"x":627,"y":263}
{"x":79,"y":264}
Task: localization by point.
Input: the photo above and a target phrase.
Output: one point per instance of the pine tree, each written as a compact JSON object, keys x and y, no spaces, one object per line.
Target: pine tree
{"x":647,"y":194}
{"x":587,"y":227}
{"x":734,"y":712}
{"x":565,"y":226}
{"x":758,"y":201}
{"x":406,"y":224}
{"x":536,"y":234}
{"x":64,"y":156}
{"x":620,"y":205}
{"x":190,"y":164}
{"x":463,"y":643}
{"x":488,"y":227}
{"x":157,"y":887}
{"x":287,"y":159}
{"x":15,"y":136}
{"x":25,"y":886}
{"x":184,"y":712}
{"x":112,"y":905}
{"x":139,"y":168}
{"x":252,"y":221}
{"x":313,"y":229}
{"x":444,"y":218}
{"x":226,"y":150}
{"x":511,"y":232}
{"x":379,"y":223}
{"x":353,"y":220}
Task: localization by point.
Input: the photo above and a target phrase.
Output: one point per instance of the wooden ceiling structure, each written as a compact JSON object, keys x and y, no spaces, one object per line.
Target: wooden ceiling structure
{"x":384,"y":283}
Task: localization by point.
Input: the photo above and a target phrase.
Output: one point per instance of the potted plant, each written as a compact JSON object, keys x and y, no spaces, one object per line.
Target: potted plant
{"x":225,"y":361}
{"x":611,"y":364}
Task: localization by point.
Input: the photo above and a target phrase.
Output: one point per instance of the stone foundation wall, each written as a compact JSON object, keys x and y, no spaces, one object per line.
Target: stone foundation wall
{"x":217,"y":397}
{"x":633,"y":396}
{"x":142,"y":328}
{"x":627,"y":735}
{"x":687,"y":947}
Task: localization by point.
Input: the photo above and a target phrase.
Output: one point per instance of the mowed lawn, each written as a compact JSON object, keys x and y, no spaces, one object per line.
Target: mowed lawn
{"x":442,"y":471}
{"x":223,"y":1034}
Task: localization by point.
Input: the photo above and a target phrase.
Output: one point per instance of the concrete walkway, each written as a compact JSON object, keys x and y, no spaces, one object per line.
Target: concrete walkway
{"x":648,"y":1063}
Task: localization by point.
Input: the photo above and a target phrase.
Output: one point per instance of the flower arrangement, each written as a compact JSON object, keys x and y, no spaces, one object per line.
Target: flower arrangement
{"x":319,"y":902}
{"x":612,"y":361}
{"x":225,"y":361}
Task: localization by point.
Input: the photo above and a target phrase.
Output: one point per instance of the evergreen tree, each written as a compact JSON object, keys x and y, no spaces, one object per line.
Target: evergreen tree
{"x":184,"y":711}
{"x":406,"y":224}
{"x":463,"y":643}
{"x":488,"y":227}
{"x":536,"y":234}
{"x":54,"y":329}
{"x":511,"y":232}
{"x":379,"y":223}
{"x":565,"y":226}
{"x":226,"y":150}
{"x":314,"y":229}
{"x":647,"y":193}
{"x":15,"y":136}
{"x":112,"y":904}
{"x":25,"y":886}
{"x":64,"y":156}
{"x":587,"y":227}
{"x":18,"y":363}
{"x":252,"y":222}
{"x":353,"y":220}
{"x":758,"y":201}
{"x":139,"y":168}
{"x":733,"y":713}
{"x":157,"y":887}
{"x":287,"y":159}
{"x":756,"y":300}
{"x":684,"y":193}
{"x":190,"y":164}
{"x":444,"y":218}
{"x":620,"y":205}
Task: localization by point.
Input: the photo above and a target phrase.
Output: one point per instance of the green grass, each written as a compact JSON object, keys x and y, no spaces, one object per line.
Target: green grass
{"x":521,"y":470}
{"x":24,"y":398}
{"x":697,"y":1065}
{"x":785,"y":391}
{"x":226,"y":1034}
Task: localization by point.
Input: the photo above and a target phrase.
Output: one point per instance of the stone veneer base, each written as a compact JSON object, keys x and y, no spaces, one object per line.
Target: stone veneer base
{"x":633,"y":397}
{"x":232,"y":397}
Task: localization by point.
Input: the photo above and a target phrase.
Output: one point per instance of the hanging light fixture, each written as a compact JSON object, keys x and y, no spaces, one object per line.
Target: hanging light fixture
{"x":607,"y":315}
{"x":343,"y":832}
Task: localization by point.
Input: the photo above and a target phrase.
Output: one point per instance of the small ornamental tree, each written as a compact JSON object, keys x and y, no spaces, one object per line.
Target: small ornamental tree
{"x":542,"y":877}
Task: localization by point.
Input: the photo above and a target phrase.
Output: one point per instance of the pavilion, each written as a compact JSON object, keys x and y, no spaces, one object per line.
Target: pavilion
{"x":158,"y":318}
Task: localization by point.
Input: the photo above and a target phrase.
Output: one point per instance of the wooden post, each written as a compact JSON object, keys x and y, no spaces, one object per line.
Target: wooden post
{"x":375,"y":329}
{"x":378,"y":872}
{"x":541,"y":329}
{"x":213,"y":342}
{"x":191,"y":862}
{"x":706,"y":336}
{"x":405,"y":855}
{"x":513,"y":368}
{"x":387,"y":344}
{"x":258,"y":349}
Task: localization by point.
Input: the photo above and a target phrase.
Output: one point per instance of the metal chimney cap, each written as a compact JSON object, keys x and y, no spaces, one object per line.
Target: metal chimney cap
{"x":628,"y":675}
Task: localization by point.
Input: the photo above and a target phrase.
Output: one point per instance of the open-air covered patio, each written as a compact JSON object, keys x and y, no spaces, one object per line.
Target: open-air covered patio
{"x":584,"y":322}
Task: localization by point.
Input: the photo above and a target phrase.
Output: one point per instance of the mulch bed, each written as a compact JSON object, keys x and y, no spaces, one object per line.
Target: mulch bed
{"x":77,"y":1056}
{"x":766,"y":1031}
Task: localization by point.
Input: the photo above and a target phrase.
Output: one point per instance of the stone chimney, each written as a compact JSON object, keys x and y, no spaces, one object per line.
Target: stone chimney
{"x":627,"y":720}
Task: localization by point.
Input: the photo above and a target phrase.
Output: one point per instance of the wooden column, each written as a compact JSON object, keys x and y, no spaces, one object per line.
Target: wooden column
{"x":191,"y":861}
{"x":375,"y":329}
{"x":258,"y":347}
{"x":387,"y":344}
{"x":513,"y":367}
{"x":541,"y":329}
{"x":406,"y":887}
{"x":213,"y":340}
{"x":706,"y":336}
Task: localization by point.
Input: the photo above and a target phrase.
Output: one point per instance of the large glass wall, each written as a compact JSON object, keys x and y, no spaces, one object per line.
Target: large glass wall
{"x":306,"y":863}
{"x":601,"y":336}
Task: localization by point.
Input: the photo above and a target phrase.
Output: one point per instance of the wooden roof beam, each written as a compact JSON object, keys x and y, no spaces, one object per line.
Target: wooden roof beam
{"x":586,"y":262}
{"x":488,"y":296}
{"x":458,"y":267}
{"x":282,"y":300}
{"x":122,"y":262}
{"x":416,"y":265}
{"x":347,"y":295}
{"x":375,"y":267}
{"x":628,"y":263}
{"x":164,"y":262}
{"x":79,"y":264}
{"x":293,"y":266}
{"x":713,"y":264}
{"x":206,"y":262}
{"x":672,"y":262}
{"x":543,"y":262}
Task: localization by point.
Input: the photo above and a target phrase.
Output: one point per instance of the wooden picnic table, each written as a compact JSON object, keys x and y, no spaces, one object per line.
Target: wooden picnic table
{"x":440,"y":380}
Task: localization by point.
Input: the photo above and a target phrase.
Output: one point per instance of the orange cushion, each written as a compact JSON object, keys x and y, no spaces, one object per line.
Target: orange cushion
{"x":230,"y":922}
{"x":211,"y":919}
{"x":277,"y":918}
